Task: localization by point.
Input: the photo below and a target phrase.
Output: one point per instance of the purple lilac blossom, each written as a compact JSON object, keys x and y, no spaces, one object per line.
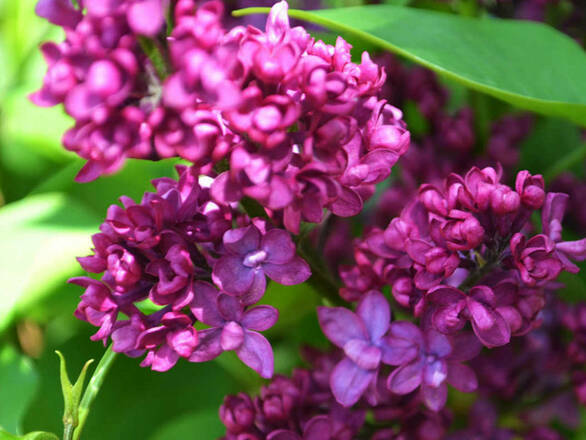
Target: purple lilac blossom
{"x":164,"y":249}
{"x":461,"y":254}
{"x":361,"y":336}
{"x":301,"y":125}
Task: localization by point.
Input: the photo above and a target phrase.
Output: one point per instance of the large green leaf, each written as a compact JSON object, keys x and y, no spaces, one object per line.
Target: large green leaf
{"x":18,"y":384}
{"x":40,"y":237}
{"x":527,"y":64}
{"x":560,"y":148}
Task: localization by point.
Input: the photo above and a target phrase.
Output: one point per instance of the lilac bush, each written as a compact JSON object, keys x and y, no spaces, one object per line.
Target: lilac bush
{"x":452,"y":281}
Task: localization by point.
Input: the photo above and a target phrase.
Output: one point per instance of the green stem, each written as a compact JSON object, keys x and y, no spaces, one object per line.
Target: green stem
{"x":320,"y":279}
{"x":154,"y":53}
{"x":68,"y":431}
{"x":93,"y":388}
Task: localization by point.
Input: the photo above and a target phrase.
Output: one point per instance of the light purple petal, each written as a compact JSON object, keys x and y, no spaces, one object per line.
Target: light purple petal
{"x":205,"y":306}
{"x":363,"y":354}
{"x":575,"y":249}
{"x":294,"y":272}
{"x":260,"y":318}
{"x":256,"y":290}
{"x":552,"y":214}
{"x":402,"y":344}
{"x":278,"y":245}
{"x":462,"y":377}
{"x":348,"y":382}
{"x":374,"y":310}
{"x":406,"y":378}
{"x":241,"y":241}
{"x":437,"y":343}
{"x":340,"y":325}
{"x":232,"y":276}
{"x":208,"y":347}
{"x":435,"y":398}
{"x":229,"y":307}
{"x":435,"y":372}
{"x":257,"y":353}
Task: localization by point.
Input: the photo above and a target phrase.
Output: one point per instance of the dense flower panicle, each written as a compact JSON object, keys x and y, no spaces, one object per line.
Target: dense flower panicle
{"x":299,"y":123}
{"x":166,"y":249}
{"x":460,"y":254}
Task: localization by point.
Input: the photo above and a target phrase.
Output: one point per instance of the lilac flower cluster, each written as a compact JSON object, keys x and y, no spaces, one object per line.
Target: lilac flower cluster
{"x":458,"y":258}
{"x":299,"y":124}
{"x":167,"y":249}
{"x":300,"y":407}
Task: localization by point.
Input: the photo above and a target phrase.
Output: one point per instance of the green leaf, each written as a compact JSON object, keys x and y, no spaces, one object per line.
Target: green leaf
{"x":201,"y":424}
{"x":554,"y":146}
{"x":529,"y":65}
{"x":40,"y":237}
{"x":18,"y":384}
{"x":40,"y":435}
{"x":37,"y":435}
{"x":71,"y":393}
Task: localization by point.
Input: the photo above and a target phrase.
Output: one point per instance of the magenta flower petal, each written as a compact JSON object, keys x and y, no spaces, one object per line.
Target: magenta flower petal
{"x":208,"y":347}
{"x":340,"y":325}
{"x":260,"y":318}
{"x":229,"y":307}
{"x":283,"y":434}
{"x":164,"y":358}
{"x":374,"y":310}
{"x":232,"y":276}
{"x":318,"y":428}
{"x":204,"y":305}
{"x":232,"y":336}
{"x":488,"y":325}
{"x":435,"y":398}
{"x":278,"y":245}
{"x":241,"y":241}
{"x":462,"y":377}
{"x":59,"y":12}
{"x":406,"y":378}
{"x":146,"y":17}
{"x":294,"y":272}
{"x":552,"y":215}
{"x":348,"y":382}
{"x":257,"y":353}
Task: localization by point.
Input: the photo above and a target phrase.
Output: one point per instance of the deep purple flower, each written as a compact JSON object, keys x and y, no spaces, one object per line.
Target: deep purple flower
{"x":536,"y":259}
{"x":317,"y":428}
{"x":175,"y":338}
{"x":360,"y":335}
{"x":429,"y":360}
{"x":232,"y":328}
{"x":250,"y":255}
{"x":450,"y":308}
{"x":237,"y":413}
